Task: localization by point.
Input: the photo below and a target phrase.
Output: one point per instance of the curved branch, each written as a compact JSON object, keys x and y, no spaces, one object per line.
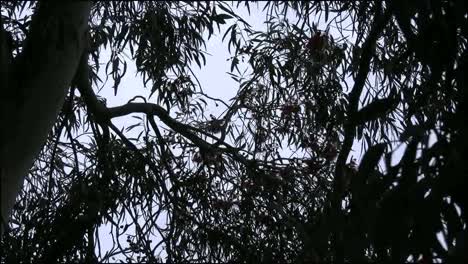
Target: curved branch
{"x":153,"y":109}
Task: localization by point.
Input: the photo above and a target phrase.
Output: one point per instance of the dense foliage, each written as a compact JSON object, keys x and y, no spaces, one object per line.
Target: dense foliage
{"x":271,"y":179}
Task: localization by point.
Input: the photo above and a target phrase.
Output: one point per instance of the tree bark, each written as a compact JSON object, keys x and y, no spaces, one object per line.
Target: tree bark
{"x":34,"y":89}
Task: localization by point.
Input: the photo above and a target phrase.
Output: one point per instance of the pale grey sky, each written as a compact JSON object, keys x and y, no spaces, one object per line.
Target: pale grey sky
{"x":214,"y":81}
{"x":213,"y":78}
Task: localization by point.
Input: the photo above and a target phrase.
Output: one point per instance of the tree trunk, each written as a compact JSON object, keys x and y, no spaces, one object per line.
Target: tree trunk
{"x":33,"y":89}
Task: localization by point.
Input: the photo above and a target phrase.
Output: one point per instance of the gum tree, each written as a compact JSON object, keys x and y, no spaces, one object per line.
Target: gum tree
{"x":273,"y":178}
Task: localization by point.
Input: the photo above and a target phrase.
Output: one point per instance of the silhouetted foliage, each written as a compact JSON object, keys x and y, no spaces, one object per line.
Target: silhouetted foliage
{"x":273,"y":178}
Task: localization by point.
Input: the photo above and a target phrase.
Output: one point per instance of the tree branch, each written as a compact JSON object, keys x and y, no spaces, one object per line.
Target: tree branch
{"x":103,"y":116}
{"x":355,"y":94}
{"x":349,"y":126}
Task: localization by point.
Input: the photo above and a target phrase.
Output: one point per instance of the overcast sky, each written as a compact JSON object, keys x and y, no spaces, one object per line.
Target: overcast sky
{"x":213,"y":78}
{"x":214,"y":81}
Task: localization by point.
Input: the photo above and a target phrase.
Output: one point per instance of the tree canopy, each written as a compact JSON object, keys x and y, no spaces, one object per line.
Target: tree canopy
{"x":271,"y":179}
